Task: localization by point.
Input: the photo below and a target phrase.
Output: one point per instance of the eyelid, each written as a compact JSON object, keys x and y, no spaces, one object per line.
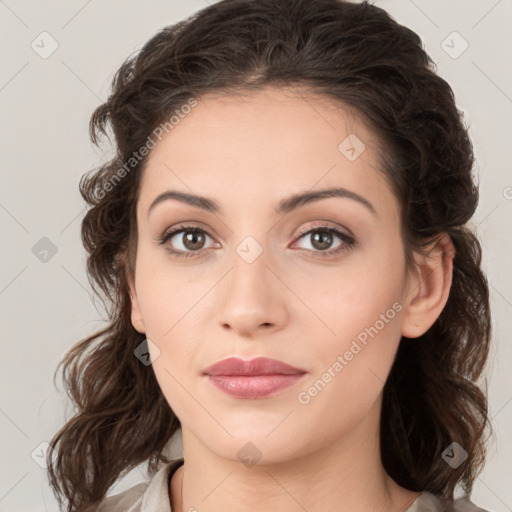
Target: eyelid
{"x":347,"y":241}
{"x":326,"y":224}
{"x":197,"y":225}
{"x":178,"y":229}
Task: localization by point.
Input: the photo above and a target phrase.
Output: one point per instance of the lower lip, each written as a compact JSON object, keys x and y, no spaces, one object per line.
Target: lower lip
{"x":255,"y":386}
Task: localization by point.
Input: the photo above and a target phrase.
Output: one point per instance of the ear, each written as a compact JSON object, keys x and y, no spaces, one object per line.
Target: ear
{"x":429,"y":288}
{"x":136,"y":315}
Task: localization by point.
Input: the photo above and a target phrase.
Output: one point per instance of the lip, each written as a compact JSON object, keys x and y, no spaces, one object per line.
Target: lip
{"x":257,"y":378}
{"x":257,"y":366}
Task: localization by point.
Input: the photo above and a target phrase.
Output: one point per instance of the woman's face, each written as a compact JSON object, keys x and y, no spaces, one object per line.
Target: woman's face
{"x":254,"y":284}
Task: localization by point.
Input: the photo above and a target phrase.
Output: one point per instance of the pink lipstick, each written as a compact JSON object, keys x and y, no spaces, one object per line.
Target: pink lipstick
{"x":257,"y":378}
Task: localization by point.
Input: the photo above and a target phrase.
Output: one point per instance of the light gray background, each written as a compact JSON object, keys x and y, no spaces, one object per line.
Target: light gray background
{"x":45,"y":108}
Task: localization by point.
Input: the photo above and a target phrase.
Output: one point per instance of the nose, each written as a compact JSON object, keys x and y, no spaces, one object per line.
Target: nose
{"x":252,"y":298}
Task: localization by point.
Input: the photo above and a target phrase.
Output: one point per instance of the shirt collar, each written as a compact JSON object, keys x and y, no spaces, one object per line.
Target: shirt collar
{"x":156,"y":497}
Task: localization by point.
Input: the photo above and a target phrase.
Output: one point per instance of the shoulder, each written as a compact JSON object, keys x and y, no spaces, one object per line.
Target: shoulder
{"x":428,"y":502}
{"x":144,"y":497}
{"x":466,"y":505}
{"x":126,"y":501}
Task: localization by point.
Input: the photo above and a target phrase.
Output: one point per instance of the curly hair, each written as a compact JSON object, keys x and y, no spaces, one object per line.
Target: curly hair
{"x":356,"y":54}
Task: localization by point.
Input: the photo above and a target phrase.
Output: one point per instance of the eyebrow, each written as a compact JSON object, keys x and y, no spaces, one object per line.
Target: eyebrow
{"x":285,"y":205}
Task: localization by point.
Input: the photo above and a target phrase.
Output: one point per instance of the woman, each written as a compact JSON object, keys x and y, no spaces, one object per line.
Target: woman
{"x":283,"y":242}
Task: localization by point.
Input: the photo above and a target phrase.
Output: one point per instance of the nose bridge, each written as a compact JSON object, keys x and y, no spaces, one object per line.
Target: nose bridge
{"x":249,"y":263}
{"x":250,"y":297}
{"x":251,"y":241}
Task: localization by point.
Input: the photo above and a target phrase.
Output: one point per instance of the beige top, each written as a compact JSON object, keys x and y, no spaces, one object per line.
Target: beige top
{"x":153,"y":496}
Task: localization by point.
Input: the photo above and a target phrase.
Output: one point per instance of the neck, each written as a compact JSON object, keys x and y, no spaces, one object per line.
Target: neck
{"x":346,"y":475}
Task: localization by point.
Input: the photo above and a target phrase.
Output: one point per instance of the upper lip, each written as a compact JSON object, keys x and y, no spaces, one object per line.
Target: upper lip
{"x":257,"y":366}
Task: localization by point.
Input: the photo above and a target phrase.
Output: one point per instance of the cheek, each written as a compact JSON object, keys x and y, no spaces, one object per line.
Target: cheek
{"x":353,"y":363}
{"x":171,"y":306}
{"x":360,"y":310}
{"x":163,"y":294}
{"x":351,"y":297}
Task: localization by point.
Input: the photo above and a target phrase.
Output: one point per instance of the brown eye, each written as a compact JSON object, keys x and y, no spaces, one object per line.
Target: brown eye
{"x":188,"y":240}
{"x":193,"y":240}
{"x":322,"y":239}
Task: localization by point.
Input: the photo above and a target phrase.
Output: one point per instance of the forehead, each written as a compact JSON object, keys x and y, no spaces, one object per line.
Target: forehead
{"x":266,"y":144}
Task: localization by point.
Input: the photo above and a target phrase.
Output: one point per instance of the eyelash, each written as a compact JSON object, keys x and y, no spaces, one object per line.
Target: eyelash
{"x":348,"y":244}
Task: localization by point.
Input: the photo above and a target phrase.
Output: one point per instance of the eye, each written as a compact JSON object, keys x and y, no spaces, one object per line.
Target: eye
{"x":192,"y":244}
{"x":322,"y":238}
{"x":193,"y":241}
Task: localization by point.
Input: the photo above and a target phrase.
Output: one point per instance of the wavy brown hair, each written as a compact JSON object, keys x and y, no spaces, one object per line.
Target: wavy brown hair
{"x":355,"y":54}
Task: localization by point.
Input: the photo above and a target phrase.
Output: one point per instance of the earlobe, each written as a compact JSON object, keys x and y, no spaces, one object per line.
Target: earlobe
{"x":136,"y":316}
{"x":429,"y":289}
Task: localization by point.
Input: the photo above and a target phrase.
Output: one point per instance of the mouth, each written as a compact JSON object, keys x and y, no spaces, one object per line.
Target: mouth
{"x":257,"y":378}
{"x":257,"y":366}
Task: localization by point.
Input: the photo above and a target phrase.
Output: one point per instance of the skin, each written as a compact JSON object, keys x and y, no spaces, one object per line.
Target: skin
{"x":291,"y":303}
